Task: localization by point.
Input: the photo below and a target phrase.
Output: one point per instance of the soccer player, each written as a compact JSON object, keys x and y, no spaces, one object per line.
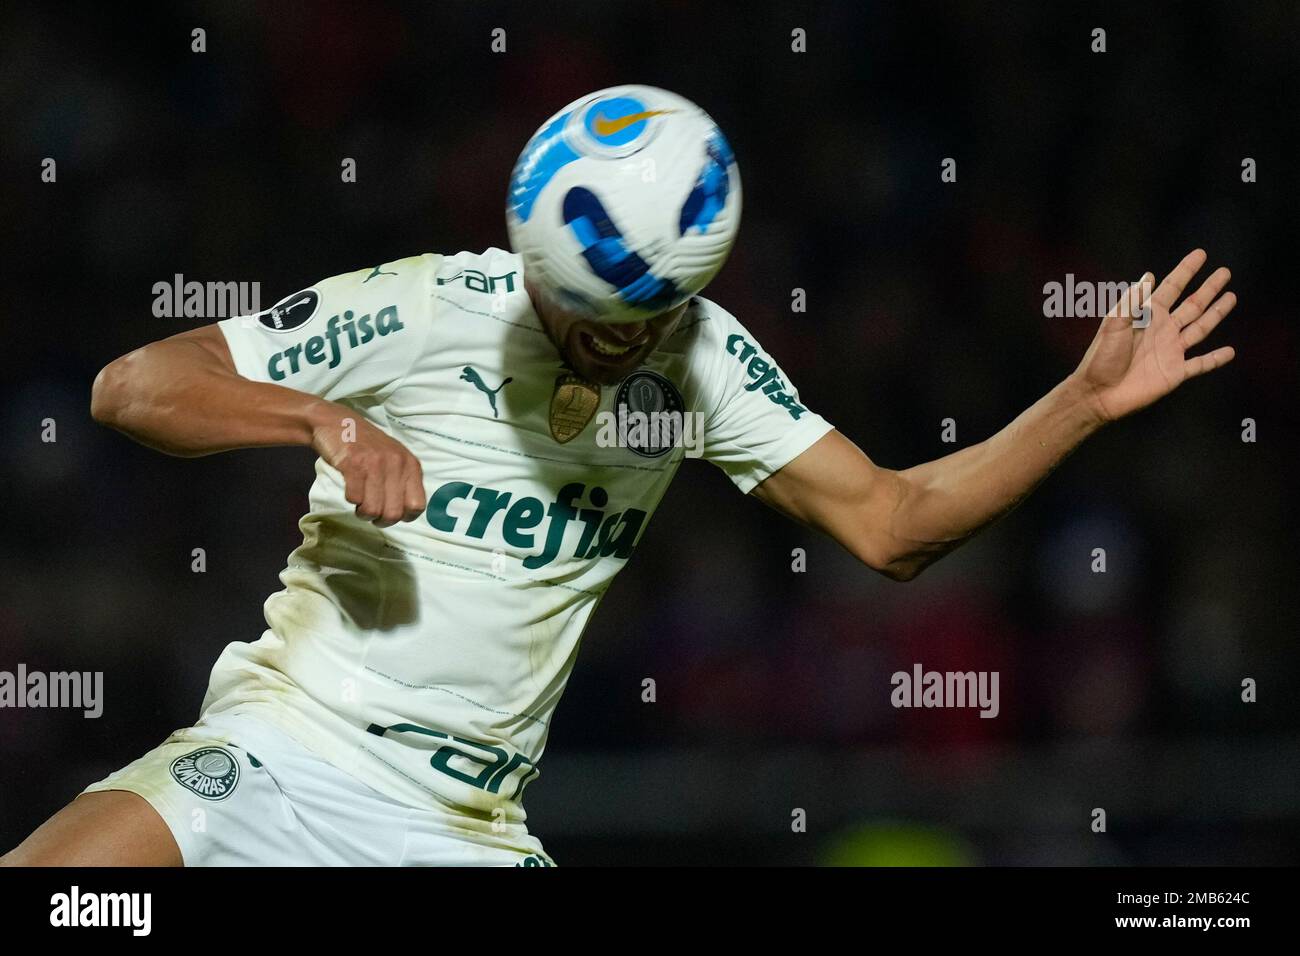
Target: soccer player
{"x":467,"y":515}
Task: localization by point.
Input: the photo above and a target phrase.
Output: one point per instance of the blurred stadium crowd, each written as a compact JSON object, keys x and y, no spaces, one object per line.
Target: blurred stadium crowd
{"x":1119,"y":690}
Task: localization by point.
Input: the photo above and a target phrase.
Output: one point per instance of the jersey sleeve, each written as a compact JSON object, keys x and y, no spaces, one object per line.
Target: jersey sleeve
{"x":758,"y":423}
{"x":349,"y":336}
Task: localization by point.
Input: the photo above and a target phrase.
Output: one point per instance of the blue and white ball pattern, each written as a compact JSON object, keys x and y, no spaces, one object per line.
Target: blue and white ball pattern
{"x":625,"y":203}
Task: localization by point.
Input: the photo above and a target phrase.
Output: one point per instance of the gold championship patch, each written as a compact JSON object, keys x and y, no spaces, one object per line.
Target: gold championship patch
{"x":573,"y":405}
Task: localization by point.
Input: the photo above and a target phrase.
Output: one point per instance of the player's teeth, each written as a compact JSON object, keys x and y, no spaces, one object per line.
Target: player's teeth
{"x":605,"y":349}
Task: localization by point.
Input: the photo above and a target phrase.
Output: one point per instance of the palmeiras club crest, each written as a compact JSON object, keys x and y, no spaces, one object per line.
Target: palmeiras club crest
{"x":659,"y":401}
{"x":211,"y":772}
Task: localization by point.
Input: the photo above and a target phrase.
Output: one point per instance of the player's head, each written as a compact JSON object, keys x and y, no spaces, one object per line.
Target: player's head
{"x":601,"y":352}
{"x":623,"y":205}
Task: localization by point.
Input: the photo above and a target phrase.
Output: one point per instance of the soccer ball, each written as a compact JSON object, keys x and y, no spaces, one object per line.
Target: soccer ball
{"x":624,"y":204}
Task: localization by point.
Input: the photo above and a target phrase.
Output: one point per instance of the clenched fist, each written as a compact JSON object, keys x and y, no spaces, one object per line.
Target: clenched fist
{"x":384,"y":480}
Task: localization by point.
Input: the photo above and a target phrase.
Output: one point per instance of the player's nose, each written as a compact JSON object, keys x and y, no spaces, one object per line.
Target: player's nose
{"x":625,"y":332}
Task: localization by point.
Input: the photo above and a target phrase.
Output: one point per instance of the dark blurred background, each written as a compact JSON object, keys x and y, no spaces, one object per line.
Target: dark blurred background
{"x":1118,"y":690}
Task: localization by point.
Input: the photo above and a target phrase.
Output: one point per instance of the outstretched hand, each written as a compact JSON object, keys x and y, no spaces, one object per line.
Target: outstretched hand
{"x":1138,"y":357}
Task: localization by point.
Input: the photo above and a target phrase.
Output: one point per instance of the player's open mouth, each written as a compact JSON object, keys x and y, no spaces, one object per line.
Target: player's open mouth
{"x":608,"y":350}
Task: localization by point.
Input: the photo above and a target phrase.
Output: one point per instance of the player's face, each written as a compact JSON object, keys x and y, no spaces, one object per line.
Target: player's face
{"x":604,"y":354}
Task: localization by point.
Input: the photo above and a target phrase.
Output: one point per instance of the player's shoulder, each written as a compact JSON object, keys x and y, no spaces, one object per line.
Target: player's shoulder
{"x":721,"y":356}
{"x":396,"y":284}
{"x":704,"y":330}
{"x":413,"y":283}
{"x":480,"y":296}
{"x":493,"y":271}
{"x":470,"y":269}
{"x":405,"y":275}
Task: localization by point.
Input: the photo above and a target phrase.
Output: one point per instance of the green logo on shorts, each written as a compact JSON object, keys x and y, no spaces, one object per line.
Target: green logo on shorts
{"x":211,"y":772}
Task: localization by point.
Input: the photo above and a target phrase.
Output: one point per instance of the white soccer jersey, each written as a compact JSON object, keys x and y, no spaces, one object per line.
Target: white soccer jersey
{"x":427,"y":658}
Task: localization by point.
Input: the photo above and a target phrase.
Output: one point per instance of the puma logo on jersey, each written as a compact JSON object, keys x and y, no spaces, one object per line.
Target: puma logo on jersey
{"x":326,"y":348}
{"x":469,"y":374}
{"x":600,"y":534}
{"x":377,"y":271}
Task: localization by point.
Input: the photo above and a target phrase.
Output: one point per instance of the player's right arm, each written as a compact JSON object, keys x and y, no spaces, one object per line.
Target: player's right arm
{"x":184,"y":396}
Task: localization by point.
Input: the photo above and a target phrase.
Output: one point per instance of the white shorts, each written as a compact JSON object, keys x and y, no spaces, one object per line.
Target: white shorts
{"x":235,"y":791}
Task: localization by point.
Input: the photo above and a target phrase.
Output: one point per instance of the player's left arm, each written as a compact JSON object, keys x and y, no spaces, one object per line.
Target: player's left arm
{"x":899,"y":522}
